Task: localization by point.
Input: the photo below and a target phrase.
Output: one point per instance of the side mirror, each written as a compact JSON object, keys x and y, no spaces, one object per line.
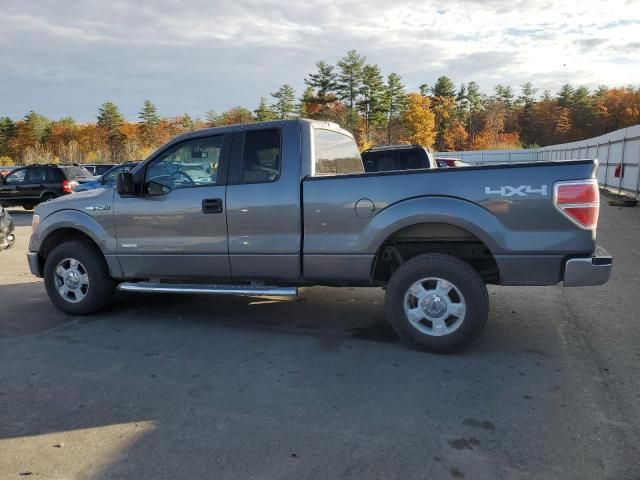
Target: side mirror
{"x":125,"y":184}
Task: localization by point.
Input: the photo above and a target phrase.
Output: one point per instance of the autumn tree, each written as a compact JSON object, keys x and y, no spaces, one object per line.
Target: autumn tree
{"x":418,"y":121}
{"x":263,"y":111}
{"x":236,"y":115}
{"x":285,"y":104}
{"x":349,"y":81}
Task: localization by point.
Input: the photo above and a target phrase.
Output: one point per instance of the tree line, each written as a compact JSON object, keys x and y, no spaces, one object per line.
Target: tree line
{"x":377,"y":109}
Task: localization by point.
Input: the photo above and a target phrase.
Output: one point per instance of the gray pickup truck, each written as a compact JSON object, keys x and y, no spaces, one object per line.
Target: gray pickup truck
{"x":263,"y":209}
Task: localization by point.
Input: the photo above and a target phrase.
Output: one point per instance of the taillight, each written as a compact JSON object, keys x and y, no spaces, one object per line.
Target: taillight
{"x":579,"y":201}
{"x":66,"y":186}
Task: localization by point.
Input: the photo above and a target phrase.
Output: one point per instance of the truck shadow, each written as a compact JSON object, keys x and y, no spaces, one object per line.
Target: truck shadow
{"x":198,"y":379}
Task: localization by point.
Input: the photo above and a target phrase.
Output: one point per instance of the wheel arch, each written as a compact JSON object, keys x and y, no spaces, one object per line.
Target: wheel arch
{"x":69,"y":225}
{"x":437,"y":225}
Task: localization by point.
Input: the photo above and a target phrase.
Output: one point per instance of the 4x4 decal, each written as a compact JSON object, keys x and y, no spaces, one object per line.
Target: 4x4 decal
{"x":521,"y":191}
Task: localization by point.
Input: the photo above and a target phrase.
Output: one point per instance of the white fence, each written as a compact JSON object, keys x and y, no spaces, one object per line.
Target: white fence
{"x":611,"y":150}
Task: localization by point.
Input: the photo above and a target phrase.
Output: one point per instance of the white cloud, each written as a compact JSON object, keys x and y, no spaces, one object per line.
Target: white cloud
{"x":196,"y":55}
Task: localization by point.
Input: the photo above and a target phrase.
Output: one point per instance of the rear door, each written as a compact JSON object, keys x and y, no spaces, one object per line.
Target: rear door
{"x":10,"y":187}
{"x":35,"y":183}
{"x":177,"y":227}
{"x":263,"y":204}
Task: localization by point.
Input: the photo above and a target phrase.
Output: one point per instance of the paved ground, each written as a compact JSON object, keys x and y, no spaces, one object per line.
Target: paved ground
{"x":232,"y":388}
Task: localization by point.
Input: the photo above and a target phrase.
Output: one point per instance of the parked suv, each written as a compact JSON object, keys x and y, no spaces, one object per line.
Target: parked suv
{"x":28,"y":186}
{"x":397,"y":157}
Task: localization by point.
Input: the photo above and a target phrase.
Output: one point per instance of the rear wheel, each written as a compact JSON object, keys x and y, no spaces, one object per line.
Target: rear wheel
{"x":437,"y":303}
{"x":77,"y":278}
{"x":28,"y":207}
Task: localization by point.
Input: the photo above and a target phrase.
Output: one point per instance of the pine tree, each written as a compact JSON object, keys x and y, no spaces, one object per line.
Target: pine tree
{"x":187,"y":123}
{"x":37,"y":125}
{"x":349,"y":81}
{"x":324,"y":83}
{"x":504,"y":94}
{"x":263,"y":112}
{"x":371,"y":99}
{"x":212,"y":118}
{"x":444,"y":87}
{"x":565,"y":95}
{"x":285,"y":105}
{"x":109,"y":121}
{"x":148,"y":124}
{"x":527,"y":100}
{"x":394,"y":100}
{"x":443,"y":106}
{"x":7,"y":132}
{"x":475,"y":99}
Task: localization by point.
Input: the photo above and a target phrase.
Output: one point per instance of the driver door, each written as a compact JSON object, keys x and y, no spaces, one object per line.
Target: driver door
{"x":176,"y":227}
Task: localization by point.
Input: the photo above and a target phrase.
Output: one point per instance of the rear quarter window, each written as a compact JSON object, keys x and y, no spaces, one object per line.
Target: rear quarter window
{"x":335,"y":154}
{"x":76,"y":172}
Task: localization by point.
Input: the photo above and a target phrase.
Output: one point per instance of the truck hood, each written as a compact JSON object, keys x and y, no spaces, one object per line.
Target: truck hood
{"x":99,"y":197}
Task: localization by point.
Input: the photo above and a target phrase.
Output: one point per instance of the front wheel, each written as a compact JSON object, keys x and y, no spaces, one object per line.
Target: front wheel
{"x":437,"y":303}
{"x":77,"y":278}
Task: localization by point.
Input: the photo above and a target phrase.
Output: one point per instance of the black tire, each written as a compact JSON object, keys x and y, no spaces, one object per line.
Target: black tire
{"x":28,"y":206}
{"x":453,"y":270}
{"x":100,"y":287}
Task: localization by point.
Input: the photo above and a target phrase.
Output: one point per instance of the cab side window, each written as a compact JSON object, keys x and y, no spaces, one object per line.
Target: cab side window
{"x":193,"y":163}
{"x":16,"y":177}
{"x":261,"y":156}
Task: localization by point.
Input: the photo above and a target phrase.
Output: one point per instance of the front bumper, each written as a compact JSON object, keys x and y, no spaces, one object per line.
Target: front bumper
{"x":34,"y":263}
{"x":588,"y":271}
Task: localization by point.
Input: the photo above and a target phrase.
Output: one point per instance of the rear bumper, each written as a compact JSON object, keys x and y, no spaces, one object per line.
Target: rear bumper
{"x":588,"y":271}
{"x":34,"y":264}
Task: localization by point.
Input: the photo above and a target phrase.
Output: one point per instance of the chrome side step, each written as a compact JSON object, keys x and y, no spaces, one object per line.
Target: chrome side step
{"x":242,"y":290}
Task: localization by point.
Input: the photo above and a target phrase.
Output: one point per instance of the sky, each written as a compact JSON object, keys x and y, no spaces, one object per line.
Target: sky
{"x":66,"y":58}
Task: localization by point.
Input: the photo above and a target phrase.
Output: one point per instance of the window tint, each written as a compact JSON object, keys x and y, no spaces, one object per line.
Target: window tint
{"x":261,"y":156}
{"x":193,"y":163}
{"x":410,"y":159}
{"x":36,"y":175}
{"x":336,"y":154}
{"x":16,"y":177}
{"x":54,"y":174}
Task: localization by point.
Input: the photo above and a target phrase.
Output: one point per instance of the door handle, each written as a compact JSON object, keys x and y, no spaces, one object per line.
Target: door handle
{"x":212,"y":205}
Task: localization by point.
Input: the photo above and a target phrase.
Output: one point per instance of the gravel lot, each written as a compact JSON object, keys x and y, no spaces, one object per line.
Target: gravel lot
{"x":318,"y":387}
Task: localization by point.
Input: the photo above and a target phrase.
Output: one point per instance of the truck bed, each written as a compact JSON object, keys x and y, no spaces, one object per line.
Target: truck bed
{"x":507,"y":207}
